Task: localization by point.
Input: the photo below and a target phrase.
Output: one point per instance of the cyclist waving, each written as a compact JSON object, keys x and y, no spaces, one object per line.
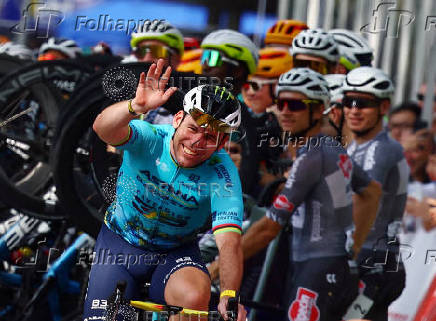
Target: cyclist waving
{"x":172,"y":179}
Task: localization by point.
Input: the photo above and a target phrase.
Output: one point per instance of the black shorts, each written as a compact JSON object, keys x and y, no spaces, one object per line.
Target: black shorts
{"x":117,"y":260}
{"x":320,"y":290}
{"x":382,"y":283}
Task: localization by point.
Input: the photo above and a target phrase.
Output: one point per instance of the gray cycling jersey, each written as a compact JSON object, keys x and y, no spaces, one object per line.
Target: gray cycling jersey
{"x":382,"y":158}
{"x":318,"y":194}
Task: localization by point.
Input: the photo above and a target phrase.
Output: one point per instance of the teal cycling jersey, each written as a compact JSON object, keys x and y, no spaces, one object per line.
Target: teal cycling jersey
{"x":161,"y":205}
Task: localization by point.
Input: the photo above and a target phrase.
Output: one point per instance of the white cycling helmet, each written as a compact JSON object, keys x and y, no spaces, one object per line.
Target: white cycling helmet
{"x":335,"y":82}
{"x":215,"y":101}
{"x":16,"y":50}
{"x":160,"y":30}
{"x":305,"y":81}
{"x":66,"y":46}
{"x":235,"y":45}
{"x":315,"y":42}
{"x":369,"y":80}
{"x":354,"y":50}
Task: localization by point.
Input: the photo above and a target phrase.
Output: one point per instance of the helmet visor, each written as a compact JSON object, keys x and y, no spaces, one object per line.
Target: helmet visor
{"x":206,"y":120}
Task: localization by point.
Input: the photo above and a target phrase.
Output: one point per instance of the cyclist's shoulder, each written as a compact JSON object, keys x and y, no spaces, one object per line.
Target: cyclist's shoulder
{"x":221,"y":167}
{"x":387,"y":150}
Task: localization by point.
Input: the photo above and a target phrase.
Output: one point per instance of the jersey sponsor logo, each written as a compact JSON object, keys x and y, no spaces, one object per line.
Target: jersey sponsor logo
{"x":370,"y":156}
{"x":331,"y":278}
{"x":294,"y":169}
{"x":166,"y":190}
{"x":346,"y":165}
{"x":282,"y":203}
{"x":304,"y":307}
{"x":194,"y":178}
{"x":222,"y":172}
{"x":99,"y":304}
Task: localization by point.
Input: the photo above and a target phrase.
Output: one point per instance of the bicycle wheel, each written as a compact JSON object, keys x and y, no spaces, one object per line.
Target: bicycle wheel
{"x":9,"y":64}
{"x":25,"y":142}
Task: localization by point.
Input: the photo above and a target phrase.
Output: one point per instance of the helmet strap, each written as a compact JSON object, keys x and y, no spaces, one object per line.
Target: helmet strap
{"x":312,"y":123}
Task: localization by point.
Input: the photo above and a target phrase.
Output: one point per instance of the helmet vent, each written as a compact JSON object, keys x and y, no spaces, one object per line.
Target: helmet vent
{"x":382,"y":85}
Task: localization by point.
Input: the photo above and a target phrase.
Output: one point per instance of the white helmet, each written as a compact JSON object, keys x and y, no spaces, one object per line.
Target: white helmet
{"x":66,"y":46}
{"x":354,"y":50}
{"x":235,"y":45}
{"x":335,"y":82}
{"x":315,"y":42}
{"x":160,"y":30}
{"x":16,"y":50}
{"x":305,"y":81}
{"x":369,"y":80}
{"x":215,"y":101}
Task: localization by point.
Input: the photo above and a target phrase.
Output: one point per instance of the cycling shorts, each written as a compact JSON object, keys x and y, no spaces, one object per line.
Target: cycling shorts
{"x":117,"y":260}
{"x":319,"y":290}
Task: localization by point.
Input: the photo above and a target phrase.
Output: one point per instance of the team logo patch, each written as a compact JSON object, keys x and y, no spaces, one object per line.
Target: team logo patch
{"x":362,"y":286}
{"x":304,"y":307}
{"x":282,"y":203}
{"x":345,"y":164}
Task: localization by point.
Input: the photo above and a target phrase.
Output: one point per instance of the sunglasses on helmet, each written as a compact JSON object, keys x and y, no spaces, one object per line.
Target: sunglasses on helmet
{"x":206,"y":120}
{"x":318,"y":66}
{"x":256,"y":85}
{"x":359,"y":103}
{"x":296,"y":104}
{"x":214,"y":58}
{"x":157,"y":51}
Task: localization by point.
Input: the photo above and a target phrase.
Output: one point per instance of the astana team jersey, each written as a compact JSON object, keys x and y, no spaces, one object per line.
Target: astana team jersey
{"x":160,"y":205}
{"x":318,"y":194}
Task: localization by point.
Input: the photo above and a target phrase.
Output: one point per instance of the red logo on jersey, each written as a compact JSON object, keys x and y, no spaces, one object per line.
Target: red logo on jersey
{"x":282,"y":202}
{"x":304,"y":307}
{"x":345,"y":164}
{"x":362,"y":286}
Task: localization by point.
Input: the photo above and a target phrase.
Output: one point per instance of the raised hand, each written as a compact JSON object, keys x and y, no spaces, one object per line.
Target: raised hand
{"x":151,"y":92}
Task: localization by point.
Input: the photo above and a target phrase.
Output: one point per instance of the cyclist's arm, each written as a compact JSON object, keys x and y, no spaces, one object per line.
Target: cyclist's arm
{"x":259,"y":235}
{"x":230,"y":260}
{"x":365,"y":207}
{"x":227,"y":212}
{"x":112,"y":124}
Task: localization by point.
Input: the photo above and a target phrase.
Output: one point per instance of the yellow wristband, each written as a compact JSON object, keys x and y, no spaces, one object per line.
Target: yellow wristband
{"x":131,"y":111}
{"x":230,"y":293}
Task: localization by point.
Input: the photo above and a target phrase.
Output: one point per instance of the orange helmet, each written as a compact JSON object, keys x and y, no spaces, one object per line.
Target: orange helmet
{"x":284,"y":31}
{"x":273,"y":61}
{"x":191,"y":61}
{"x":4,"y":39}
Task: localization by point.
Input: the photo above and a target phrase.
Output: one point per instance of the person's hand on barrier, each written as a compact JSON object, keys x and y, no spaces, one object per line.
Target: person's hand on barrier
{"x":151,"y":92}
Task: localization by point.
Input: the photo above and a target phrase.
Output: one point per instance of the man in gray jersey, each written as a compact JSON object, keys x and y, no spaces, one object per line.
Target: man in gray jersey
{"x":318,"y":194}
{"x":367,"y":93}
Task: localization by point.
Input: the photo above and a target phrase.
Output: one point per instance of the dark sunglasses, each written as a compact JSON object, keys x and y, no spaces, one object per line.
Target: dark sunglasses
{"x":295,"y":104}
{"x":214,"y":58}
{"x":318,"y":66}
{"x":157,"y":51}
{"x":421,"y":97}
{"x":359,"y":103}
